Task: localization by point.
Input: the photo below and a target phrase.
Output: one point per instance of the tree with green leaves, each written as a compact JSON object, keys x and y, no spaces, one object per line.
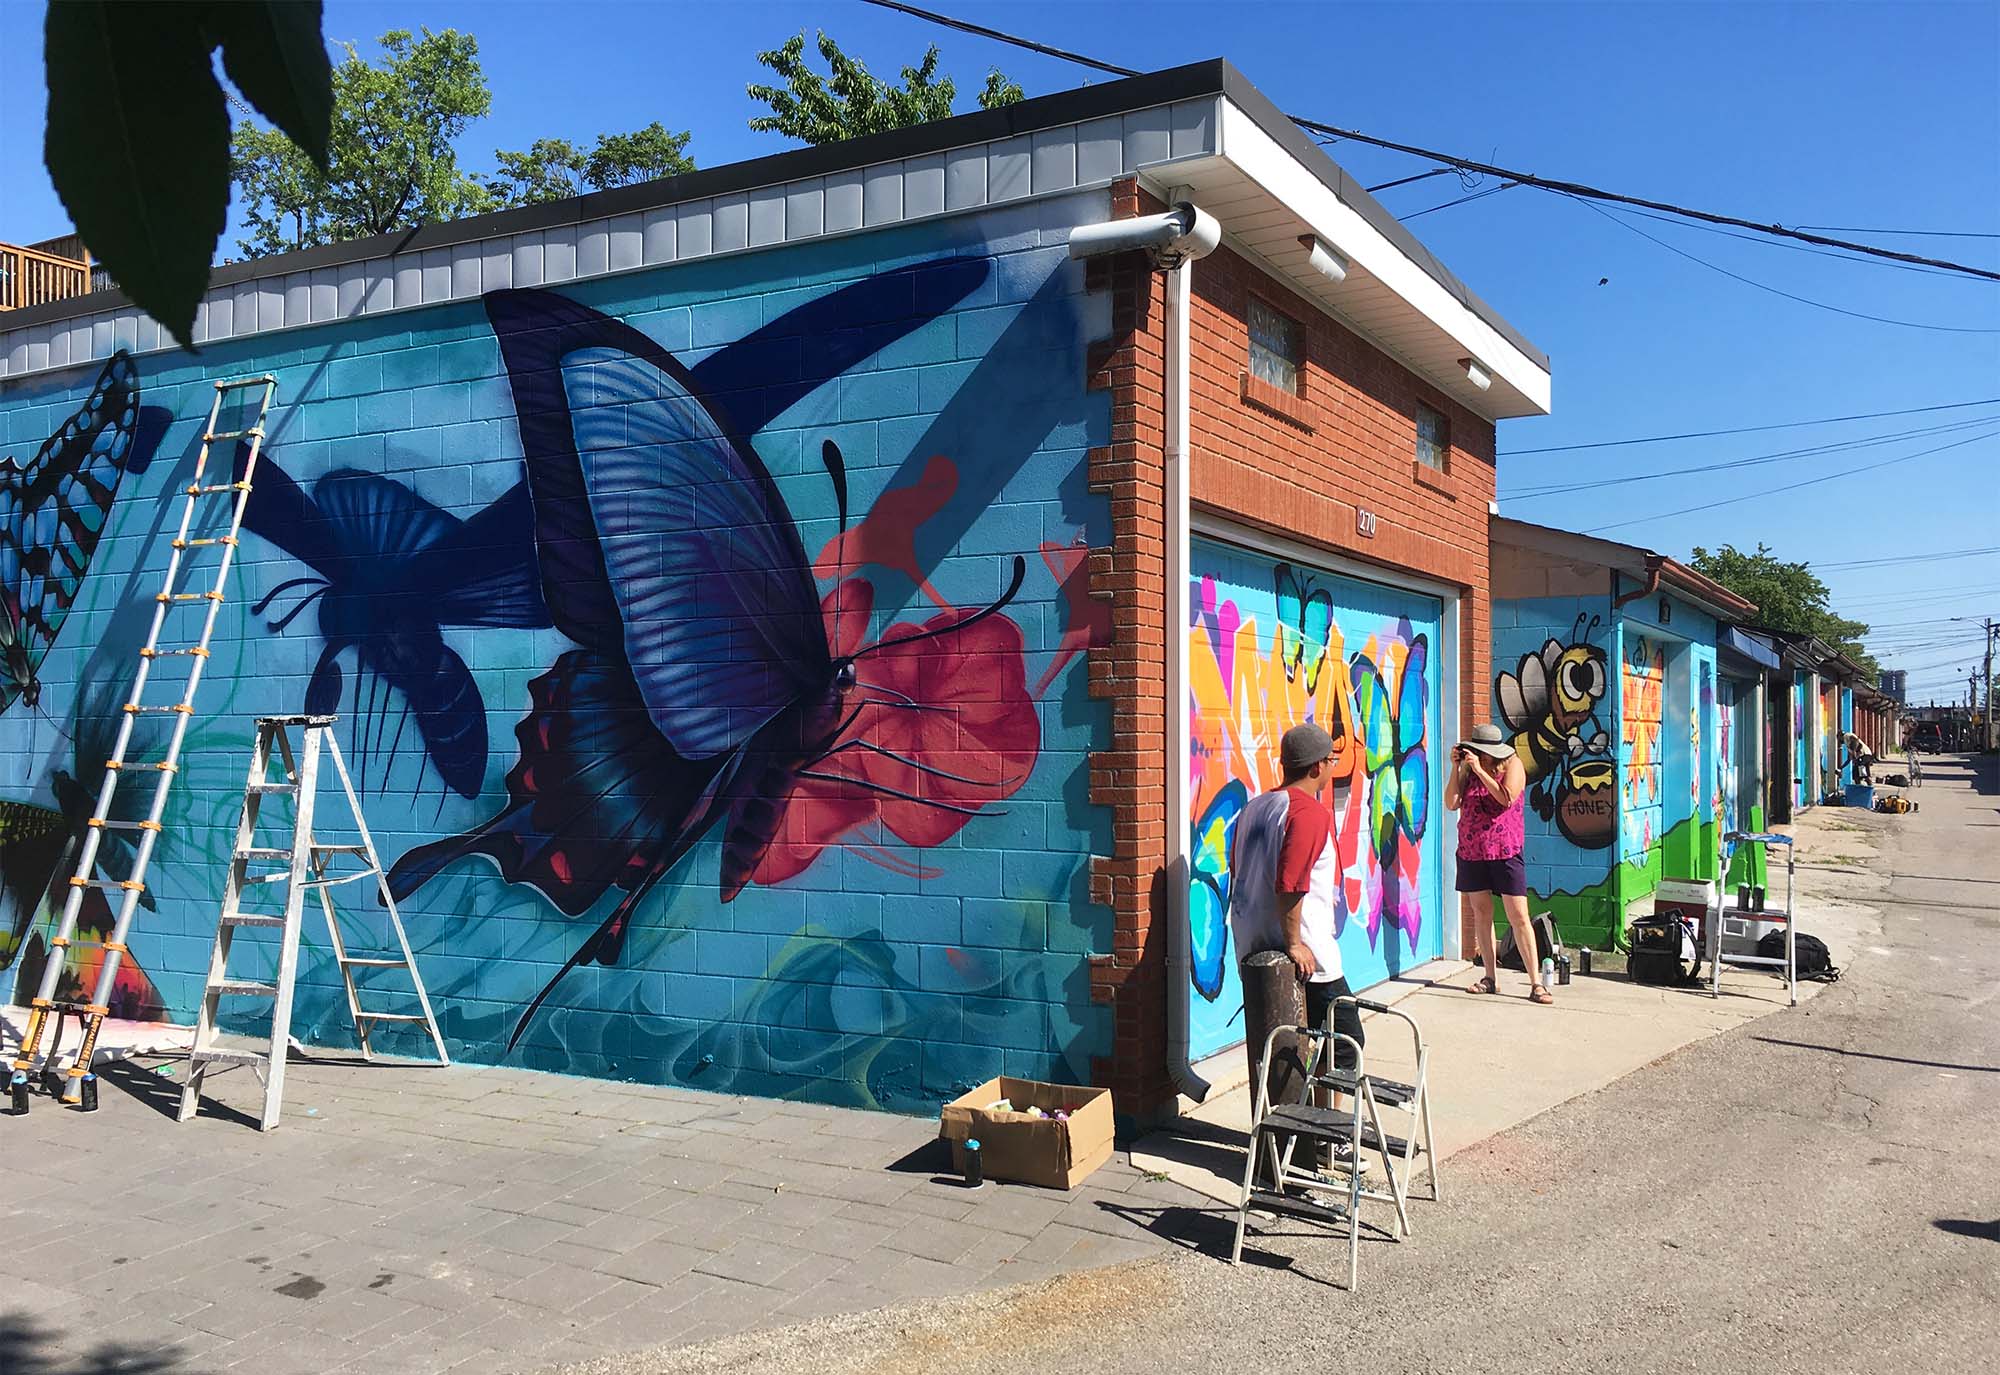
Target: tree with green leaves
{"x":851,"y":101}
{"x":1789,"y":596}
{"x":392,"y":159}
{"x":553,"y":168}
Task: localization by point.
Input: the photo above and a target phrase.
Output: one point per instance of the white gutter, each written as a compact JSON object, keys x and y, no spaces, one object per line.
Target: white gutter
{"x":1173,"y":240}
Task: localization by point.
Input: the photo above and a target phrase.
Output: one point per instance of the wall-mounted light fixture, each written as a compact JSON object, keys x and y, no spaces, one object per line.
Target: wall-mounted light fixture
{"x":1323,"y":259}
{"x":1475,"y":374}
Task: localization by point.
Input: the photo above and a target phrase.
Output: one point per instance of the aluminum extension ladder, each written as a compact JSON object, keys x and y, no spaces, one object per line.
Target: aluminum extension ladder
{"x":305,"y":861}
{"x":79,"y":1086}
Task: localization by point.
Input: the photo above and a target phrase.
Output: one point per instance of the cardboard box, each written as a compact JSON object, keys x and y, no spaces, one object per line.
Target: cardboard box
{"x":1031,"y":1150}
{"x":1689,"y":898}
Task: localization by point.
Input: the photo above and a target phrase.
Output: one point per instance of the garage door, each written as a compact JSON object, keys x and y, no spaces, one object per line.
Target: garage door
{"x":1275,"y":642}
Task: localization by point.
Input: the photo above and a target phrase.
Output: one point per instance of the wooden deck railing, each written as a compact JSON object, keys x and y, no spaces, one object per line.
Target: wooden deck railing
{"x":29,"y":277}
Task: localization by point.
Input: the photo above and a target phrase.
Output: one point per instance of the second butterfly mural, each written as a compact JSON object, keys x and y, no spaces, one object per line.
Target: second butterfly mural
{"x":1273,"y":643}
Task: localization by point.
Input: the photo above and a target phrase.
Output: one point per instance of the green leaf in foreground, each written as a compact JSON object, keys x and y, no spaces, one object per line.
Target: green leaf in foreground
{"x":138,"y":147}
{"x":272,"y":51}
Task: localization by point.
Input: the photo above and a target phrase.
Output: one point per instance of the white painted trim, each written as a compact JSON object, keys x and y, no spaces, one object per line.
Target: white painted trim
{"x":1263,"y":160}
{"x":1451,"y":723}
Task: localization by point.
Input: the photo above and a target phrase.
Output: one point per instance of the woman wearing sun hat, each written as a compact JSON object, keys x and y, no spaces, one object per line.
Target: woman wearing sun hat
{"x":1487,"y":781}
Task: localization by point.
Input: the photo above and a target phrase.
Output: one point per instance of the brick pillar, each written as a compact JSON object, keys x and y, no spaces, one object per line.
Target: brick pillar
{"x":1130,"y":674}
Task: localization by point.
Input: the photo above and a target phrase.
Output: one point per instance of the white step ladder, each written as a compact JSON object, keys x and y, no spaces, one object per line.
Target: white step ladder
{"x":306,"y":866}
{"x":78,"y":1086}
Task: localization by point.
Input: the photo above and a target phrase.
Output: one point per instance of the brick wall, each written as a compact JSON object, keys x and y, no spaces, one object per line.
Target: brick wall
{"x":1294,"y":469}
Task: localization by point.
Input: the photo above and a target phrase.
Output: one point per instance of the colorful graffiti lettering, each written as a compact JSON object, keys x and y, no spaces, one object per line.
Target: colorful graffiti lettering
{"x":52,"y":514}
{"x":716,"y":688}
{"x":1550,"y":703}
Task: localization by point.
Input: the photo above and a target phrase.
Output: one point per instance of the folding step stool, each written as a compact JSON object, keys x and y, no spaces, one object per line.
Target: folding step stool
{"x":305,"y":862}
{"x":1362,"y":1126}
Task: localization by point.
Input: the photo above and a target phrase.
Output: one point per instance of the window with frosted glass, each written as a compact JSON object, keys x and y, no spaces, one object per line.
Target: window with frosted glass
{"x":1276,"y":351}
{"x":1433,"y":438}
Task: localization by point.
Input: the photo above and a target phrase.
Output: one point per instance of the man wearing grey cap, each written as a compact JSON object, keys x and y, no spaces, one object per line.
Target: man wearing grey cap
{"x":1285,"y":878}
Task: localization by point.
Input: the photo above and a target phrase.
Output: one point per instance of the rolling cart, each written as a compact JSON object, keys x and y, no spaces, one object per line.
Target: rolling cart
{"x":1719,"y":917}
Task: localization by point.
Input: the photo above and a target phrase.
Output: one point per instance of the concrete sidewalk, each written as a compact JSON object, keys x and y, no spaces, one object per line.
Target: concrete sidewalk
{"x":1498,"y":1061}
{"x":411,"y":1219}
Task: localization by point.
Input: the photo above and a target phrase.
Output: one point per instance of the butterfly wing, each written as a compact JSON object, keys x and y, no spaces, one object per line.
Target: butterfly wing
{"x":632,"y":477}
{"x":1208,"y":894}
{"x":52,"y":514}
{"x":1291,"y":612}
{"x":1315,"y":632}
{"x":1413,"y":772}
{"x":483,"y":573}
{"x":1524,"y":696}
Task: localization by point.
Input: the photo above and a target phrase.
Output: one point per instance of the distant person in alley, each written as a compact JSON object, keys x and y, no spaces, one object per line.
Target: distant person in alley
{"x":1285,"y":875}
{"x":1861,"y":757}
{"x":1487,"y":781}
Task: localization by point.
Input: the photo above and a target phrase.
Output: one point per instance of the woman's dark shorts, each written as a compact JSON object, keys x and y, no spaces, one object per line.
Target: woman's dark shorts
{"x":1507,"y":877}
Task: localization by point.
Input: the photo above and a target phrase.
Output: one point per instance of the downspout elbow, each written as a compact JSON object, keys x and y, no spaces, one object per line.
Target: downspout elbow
{"x":1654,"y":563}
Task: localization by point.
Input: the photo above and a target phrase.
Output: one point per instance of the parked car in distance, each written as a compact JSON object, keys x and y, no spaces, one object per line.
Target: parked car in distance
{"x":1926,"y":736}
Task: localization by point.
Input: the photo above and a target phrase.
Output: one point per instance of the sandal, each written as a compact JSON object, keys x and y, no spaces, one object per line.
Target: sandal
{"x":1485,"y":985}
{"x":1539,"y":994}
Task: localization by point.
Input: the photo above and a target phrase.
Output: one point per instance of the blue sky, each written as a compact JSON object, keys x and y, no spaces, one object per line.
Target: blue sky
{"x":1877,"y":116}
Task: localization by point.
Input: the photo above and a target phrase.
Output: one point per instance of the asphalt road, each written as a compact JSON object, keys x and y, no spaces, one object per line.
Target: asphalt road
{"x":1815,"y":1191}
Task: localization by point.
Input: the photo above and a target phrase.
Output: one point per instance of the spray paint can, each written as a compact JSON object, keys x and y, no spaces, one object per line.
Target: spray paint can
{"x":87,"y":1100}
{"x":975,"y":1167}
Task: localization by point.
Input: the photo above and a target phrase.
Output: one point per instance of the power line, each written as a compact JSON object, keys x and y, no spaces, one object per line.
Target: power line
{"x":1462,"y":200}
{"x":1792,"y":486}
{"x":1748,"y":429}
{"x":1463,"y":164}
{"x":1842,"y":446}
{"x":1914,"y":233}
{"x":1622,"y":222}
{"x":1938,"y":557}
{"x":1837,"y":256}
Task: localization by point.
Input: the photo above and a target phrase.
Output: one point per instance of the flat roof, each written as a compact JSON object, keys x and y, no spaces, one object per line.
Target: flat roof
{"x":1215,"y":77}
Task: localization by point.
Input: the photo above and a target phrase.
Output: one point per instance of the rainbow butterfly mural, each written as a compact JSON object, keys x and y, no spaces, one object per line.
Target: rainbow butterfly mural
{"x":1390,"y":712}
{"x":1305,"y":624}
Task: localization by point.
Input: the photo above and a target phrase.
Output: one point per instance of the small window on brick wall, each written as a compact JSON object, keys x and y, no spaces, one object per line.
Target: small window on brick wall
{"x":1433,"y":438}
{"x":1277,"y":353}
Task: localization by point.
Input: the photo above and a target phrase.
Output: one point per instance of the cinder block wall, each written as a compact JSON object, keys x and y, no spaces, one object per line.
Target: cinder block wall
{"x":527,"y":675}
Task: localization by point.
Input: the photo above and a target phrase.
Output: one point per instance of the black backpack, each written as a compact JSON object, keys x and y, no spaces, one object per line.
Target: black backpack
{"x":1813,"y":959}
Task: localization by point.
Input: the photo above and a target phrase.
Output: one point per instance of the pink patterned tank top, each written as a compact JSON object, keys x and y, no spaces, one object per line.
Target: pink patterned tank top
{"x":1486,"y":830}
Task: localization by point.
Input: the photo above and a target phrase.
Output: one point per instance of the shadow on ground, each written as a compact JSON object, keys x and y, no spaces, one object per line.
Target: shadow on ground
{"x":26,"y":1348}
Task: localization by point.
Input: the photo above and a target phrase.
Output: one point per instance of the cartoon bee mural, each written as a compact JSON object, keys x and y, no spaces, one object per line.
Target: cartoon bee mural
{"x":1550,"y":703}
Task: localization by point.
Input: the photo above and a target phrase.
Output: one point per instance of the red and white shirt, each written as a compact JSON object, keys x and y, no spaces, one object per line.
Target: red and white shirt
{"x":1284,"y":845}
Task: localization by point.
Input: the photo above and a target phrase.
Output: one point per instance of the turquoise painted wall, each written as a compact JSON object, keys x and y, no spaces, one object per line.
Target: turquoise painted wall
{"x":621,"y":689}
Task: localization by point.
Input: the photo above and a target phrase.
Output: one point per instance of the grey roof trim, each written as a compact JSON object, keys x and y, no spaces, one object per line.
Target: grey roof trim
{"x":1210,"y":78}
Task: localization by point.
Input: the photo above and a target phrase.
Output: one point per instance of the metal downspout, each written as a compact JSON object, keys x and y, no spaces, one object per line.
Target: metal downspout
{"x":1180,"y":940}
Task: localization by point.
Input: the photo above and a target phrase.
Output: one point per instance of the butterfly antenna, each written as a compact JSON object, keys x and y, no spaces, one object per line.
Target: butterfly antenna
{"x":836,"y":472}
{"x":1013,"y":590}
{"x":584,"y":953}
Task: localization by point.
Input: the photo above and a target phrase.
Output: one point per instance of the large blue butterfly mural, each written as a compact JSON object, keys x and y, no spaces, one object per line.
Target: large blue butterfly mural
{"x":390,"y":570}
{"x":704,"y":684}
{"x":1305,"y":624}
{"x":52,"y":514}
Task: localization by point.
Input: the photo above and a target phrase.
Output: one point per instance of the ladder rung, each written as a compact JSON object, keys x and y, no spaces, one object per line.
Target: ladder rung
{"x":390,"y":1016}
{"x":228,"y":1057}
{"x":336,"y":881}
{"x":70,"y":1005}
{"x":203,"y":543}
{"x":256,"y":430}
{"x":116,"y":764}
{"x":72,"y":943}
{"x":244,"y":988}
{"x":196,"y":653}
{"x":196,"y":489}
{"x":263,"y":852}
{"x":373,"y":962}
{"x":280,"y":876}
{"x":187,"y":597}
{"x":261,"y":380}
{"x":267,"y":788}
{"x":107,"y":883}
{"x":253,"y":919}
{"x":106,"y":824}
{"x":184,"y":708}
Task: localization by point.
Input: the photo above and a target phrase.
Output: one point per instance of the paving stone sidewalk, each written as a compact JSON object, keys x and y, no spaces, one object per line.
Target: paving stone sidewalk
{"x":409,"y":1219}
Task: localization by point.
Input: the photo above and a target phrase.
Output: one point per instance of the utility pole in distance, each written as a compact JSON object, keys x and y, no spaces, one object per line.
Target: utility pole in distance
{"x":1986,"y":721}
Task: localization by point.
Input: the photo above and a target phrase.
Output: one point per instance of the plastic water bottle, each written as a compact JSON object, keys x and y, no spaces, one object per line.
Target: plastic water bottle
{"x":1548,"y":972}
